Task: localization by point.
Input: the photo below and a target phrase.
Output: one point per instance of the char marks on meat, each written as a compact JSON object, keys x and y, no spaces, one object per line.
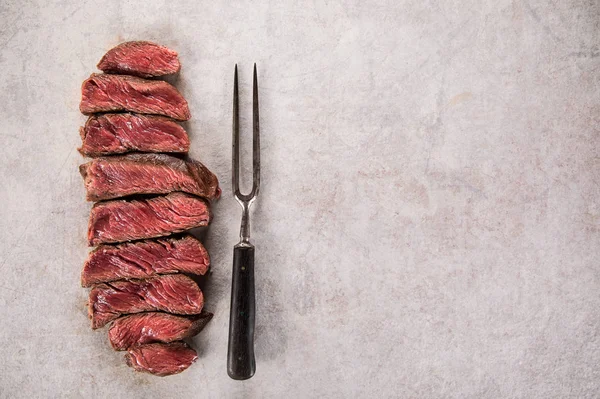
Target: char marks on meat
{"x":145,"y":328}
{"x":144,"y":259}
{"x":126,"y":220}
{"x":120,"y":133}
{"x":119,"y":176}
{"x":113,"y":93}
{"x":176,"y":294}
{"x":161,"y":359}
{"x":140,"y":58}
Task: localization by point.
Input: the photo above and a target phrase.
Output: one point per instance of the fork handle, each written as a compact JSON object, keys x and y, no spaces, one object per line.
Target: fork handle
{"x":240,"y":354}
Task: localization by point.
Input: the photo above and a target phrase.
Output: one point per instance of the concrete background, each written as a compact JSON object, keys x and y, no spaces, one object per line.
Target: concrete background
{"x":428,"y":223}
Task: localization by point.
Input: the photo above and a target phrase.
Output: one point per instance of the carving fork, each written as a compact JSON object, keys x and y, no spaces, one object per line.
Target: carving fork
{"x":240,"y":353}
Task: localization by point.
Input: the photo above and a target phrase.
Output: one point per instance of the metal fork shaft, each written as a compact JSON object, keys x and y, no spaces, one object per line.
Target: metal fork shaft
{"x":245,"y":227}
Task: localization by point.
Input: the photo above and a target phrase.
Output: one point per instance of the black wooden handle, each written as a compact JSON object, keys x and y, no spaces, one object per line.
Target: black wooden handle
{"x":240,"y":353}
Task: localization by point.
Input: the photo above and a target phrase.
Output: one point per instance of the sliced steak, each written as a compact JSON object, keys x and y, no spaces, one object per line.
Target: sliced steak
{"x":146,"y":328}
{"x":110,"y":93}
{"x":177,"y":294}
{"x":161,"y":359}
{"x":145,"y":59}
{"x":119,"y":176}
{"x":144,"y":259}
{"x":122,"y":220}
{"x":120,"y":133}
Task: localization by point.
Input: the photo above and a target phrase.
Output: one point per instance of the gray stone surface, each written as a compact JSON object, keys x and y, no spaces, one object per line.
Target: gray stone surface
{"x":428,"y":224}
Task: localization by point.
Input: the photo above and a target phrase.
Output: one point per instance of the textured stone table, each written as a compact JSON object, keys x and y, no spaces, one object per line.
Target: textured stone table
{"x":428,"y":222}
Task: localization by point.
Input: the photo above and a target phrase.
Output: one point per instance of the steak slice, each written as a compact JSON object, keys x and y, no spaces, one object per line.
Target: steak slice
{"x":177,"y":294}
{"x":139,"y":58}
{"x":161,"y":359}
{"x":120,"y":133}
{"x":144,"y":259}
{"x":109,"y":93}
{"x":123,"y":220}
{"x":119,"y":176}
{"x":146,"y":328}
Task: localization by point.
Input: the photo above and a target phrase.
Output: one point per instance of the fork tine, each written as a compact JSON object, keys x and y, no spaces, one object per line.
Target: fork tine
{"x":235,"y":156}
{"x":235,"y":167}
{"x":255,"y":138}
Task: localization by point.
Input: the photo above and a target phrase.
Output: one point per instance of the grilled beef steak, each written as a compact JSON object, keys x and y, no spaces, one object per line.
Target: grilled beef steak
{"x":110,"y":93}
{"x":120,"y":220}
{"x":140,"y":58}
{"x":120,"y":133}
{"x":145,"y":328}
{"x":144,"y":259}
{"x":113,"y":177}
{"x":176,"y":293}
{"x":161,"y":359}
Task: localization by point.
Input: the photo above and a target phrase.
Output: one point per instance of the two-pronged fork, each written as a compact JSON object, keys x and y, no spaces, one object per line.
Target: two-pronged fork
{"x":240,"y":355}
